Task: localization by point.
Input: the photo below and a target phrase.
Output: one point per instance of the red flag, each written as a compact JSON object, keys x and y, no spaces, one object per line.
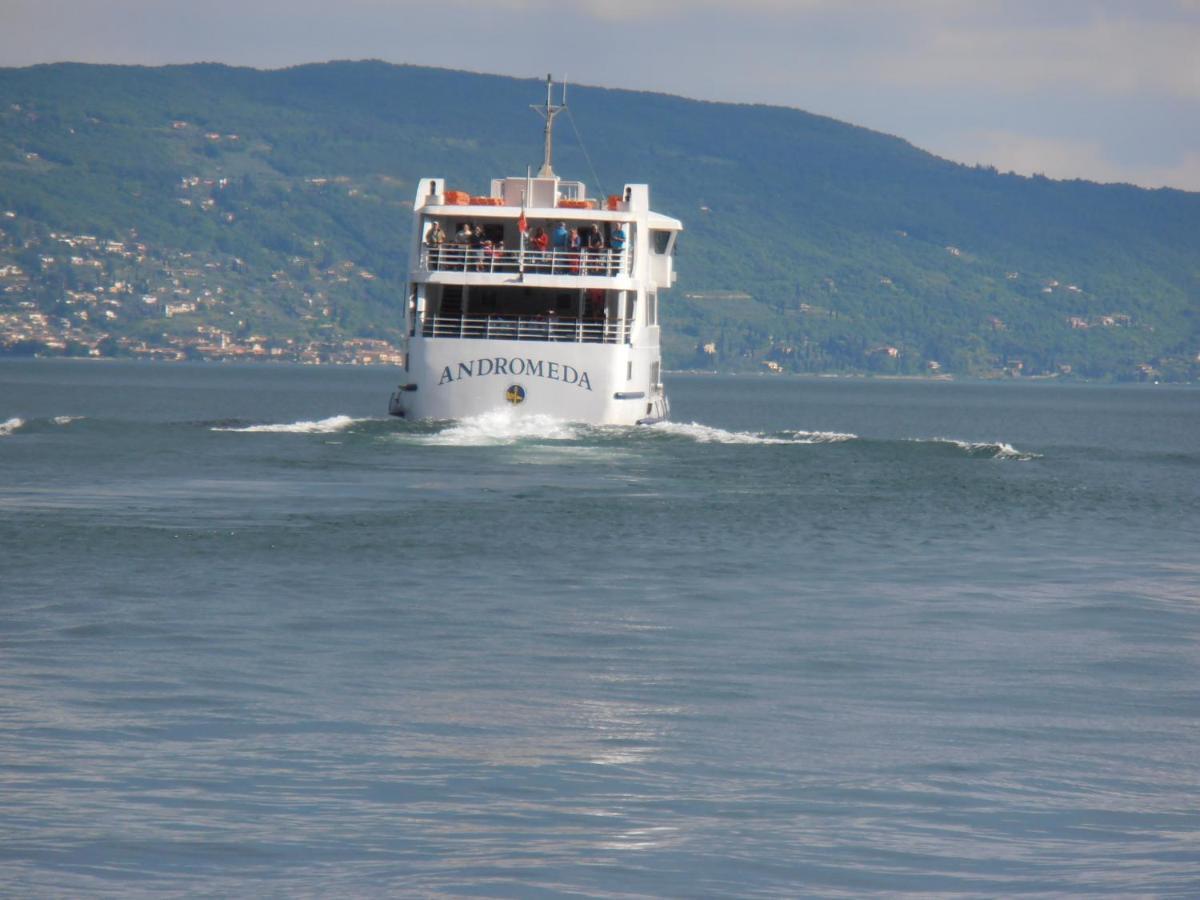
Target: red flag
{"x":522,"y":223}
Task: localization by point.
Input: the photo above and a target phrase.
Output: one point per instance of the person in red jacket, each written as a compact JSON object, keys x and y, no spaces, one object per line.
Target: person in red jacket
{"x":540,"y":243}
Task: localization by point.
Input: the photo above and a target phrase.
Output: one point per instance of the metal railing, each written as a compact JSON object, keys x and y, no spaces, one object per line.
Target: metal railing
{"x":526,"y":328}
{"x":459,"y":258}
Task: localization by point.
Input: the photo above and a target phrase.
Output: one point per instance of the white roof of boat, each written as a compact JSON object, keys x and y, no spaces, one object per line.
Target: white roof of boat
{"x":658,"y":220}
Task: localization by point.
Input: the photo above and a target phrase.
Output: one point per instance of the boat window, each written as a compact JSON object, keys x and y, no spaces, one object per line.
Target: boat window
{"x":661,"y":240}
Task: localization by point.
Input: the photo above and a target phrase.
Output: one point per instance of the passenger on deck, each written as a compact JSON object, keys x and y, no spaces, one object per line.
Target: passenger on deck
{"x":575,"y":245}
{"x":495,"y":255}
{"x":596,"y":304}
{"x":561,"y":236}
{"x":434,"y":240}
{"x":595,"y":246}
{"x":480,"y":245}
{"x":539,"y":243}
{"x":464,"y":234}
{"x":617,"y":242}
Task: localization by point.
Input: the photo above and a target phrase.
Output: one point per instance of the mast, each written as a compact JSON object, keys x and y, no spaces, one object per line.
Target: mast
{"x":548,"y":112}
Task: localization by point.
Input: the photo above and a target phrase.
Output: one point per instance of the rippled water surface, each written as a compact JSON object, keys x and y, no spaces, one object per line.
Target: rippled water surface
{"x":814,"y":637}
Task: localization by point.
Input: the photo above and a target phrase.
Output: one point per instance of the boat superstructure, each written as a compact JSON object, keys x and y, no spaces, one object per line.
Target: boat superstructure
{"x":535,"y":297}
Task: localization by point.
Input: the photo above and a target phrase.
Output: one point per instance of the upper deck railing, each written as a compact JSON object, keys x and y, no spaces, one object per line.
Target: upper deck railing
{"x":492,"y":260}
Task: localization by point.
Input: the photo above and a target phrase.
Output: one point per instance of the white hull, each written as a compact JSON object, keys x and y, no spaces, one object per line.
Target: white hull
{"x":457,"y":379}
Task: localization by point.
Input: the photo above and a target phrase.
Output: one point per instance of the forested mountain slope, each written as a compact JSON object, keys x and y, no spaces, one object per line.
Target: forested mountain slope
{"x":286,"y":196}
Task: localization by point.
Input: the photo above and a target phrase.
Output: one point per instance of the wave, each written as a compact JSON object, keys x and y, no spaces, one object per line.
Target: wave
{"x":822,"y":437}
{"x":503,"y":426}
{"x":322,"y":426}
{"x":707,"y":434}
{"x":8,"y":427}
{"x":65,"y":420}
{"x":989,"y":449}
{"x":507,"y":426}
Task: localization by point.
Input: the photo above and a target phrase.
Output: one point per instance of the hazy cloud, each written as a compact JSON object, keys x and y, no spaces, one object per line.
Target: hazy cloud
{"x":1047,"y":86}
{"x":1113,"y":56}
{"x":1069,"y":158}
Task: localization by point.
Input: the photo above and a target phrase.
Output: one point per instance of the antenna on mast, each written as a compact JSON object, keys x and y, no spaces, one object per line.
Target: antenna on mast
{"x":548,"y":112}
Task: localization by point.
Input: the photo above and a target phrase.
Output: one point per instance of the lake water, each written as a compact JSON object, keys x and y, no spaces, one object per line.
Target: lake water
{"x":817,"y":637}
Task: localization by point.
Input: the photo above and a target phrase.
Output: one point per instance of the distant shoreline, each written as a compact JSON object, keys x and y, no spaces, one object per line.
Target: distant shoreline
{"x":944,"y":377}
{"x":999,"y":378}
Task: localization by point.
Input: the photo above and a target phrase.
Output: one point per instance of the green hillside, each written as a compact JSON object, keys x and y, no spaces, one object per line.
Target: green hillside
{"x":276,"y":205}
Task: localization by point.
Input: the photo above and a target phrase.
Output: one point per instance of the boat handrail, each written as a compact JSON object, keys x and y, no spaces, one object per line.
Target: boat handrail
{"x":527,"y":328}
{"x":605,"y":263}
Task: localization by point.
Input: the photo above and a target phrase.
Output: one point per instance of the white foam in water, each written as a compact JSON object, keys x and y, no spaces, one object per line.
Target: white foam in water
{"x":1008,"y":451}
{"x":7,"y":428}
{"x":823,"y":437}
{"x":998,"y":449}
{"x":504,"y":426}
{"x":322,"y":426}
{"x":65,"y":420}
{"x":706,"y":434}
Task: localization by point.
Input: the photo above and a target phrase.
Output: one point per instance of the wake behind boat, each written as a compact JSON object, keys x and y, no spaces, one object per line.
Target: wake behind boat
{"x":536,"y":297}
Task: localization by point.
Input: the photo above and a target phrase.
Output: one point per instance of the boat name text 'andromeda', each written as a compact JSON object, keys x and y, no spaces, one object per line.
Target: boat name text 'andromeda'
{"x":516,"y":365}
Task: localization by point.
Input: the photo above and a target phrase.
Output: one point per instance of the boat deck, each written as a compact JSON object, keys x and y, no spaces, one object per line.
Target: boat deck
{"x":492,"y":260}
{"x":527,"y":328}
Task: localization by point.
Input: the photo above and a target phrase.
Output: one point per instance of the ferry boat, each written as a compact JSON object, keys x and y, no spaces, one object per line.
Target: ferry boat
{"x":537,"y":298}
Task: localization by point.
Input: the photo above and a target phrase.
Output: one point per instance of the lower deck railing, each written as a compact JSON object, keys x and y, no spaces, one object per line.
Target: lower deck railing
{"x":526,"y":328}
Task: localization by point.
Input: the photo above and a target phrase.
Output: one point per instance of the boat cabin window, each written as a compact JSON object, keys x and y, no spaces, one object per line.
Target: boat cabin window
{"x":660,"y":240}
{"x":518,"y":301}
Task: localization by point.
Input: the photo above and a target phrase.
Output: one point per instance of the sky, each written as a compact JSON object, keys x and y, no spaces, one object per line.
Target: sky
{"x":1096,"y":89}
